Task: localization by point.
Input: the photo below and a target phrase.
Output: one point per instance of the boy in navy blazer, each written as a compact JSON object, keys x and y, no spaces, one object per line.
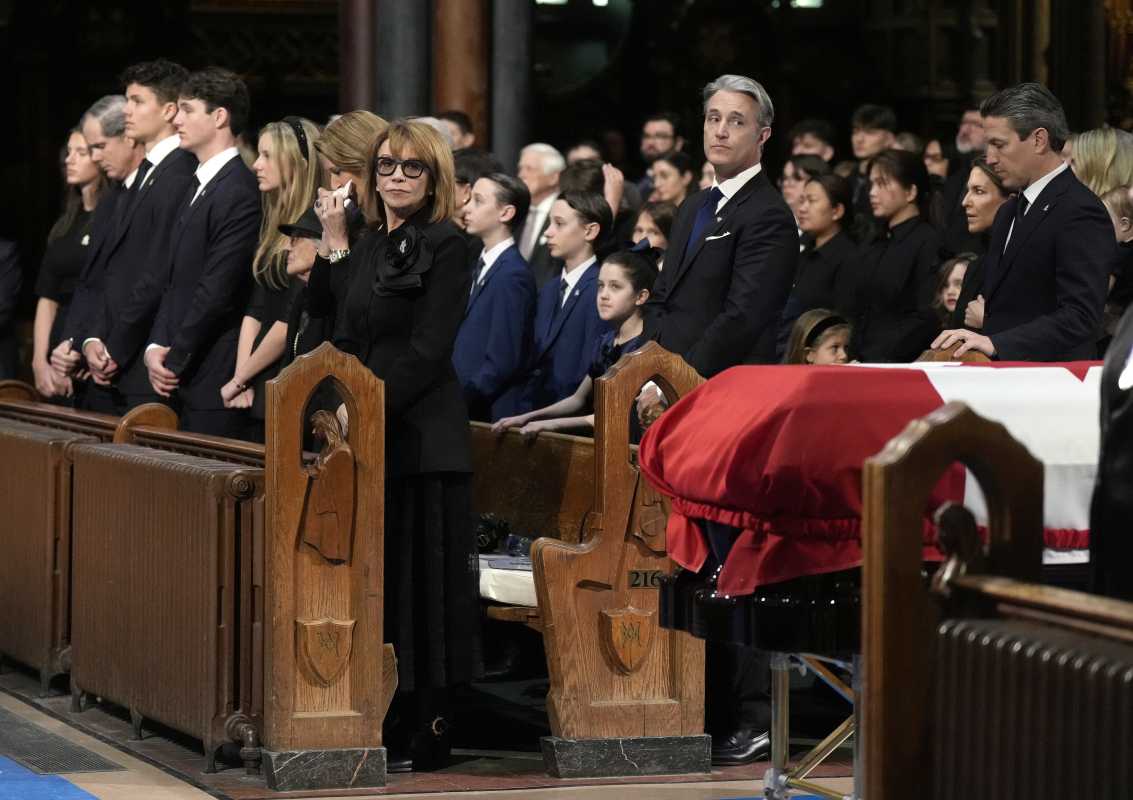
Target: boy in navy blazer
{"x":566,"y":314}
{"x":192,"y":350}
{"x":494,"y":340}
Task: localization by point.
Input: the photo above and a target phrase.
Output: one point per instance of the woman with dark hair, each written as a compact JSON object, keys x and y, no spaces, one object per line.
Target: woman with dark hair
{"x":67,"y":244}
{"x":984,"y":195}
{"x":673,"y":178}
{"x":797,"y":170}
{"x":825,"y":277}
{"x":655,"y":223}
{"x":400,"y":293}
{"x":894,"y":320}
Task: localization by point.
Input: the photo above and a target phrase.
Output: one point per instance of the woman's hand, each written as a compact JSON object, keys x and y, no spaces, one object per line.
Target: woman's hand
{"x":231,"y":393}
{"x":47,"y":380}
{"x":974,"y":313}
{"x":613,"y":186}
{"x":501,"y":425}
{"x":330,"y":208}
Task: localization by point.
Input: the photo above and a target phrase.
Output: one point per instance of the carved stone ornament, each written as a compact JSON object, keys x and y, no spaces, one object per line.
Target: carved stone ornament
{"x":324,"y":646}
{"x":628,"y":636}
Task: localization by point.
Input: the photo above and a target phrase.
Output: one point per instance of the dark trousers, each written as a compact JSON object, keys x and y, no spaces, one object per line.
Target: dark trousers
{"x":231,"y":423}
{"x":104,"y":400}
{"x":737,"y":689}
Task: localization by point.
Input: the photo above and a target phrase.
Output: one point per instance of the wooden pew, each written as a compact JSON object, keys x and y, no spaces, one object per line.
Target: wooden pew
{"x":989,"y":685}
{"x":626,"y":697}
{"x":276,"y":570}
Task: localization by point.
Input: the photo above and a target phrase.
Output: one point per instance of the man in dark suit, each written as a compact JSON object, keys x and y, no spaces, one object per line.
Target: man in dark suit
{"x":119,"y":157}
{"x":11,"y":278}
{"x":192,"y":350}
{"x":726,"y":277}
{"x":494,"y":340}
{"x":138,"y":236}
{"x":539,"y":168}
{"x":1047,"y":268}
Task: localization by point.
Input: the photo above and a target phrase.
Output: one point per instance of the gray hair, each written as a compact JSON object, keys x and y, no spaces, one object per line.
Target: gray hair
{"x":438,"y":126}
{"x":110,"y":113}
{"x":744,"y":85}
{"x":553,"y":160}
{"x":1028,"y":107}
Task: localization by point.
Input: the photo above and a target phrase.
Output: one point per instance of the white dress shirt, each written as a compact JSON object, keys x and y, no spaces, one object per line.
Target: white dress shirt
{"x":732,"y":185}
{"x":1032,"y":193}
{"x":574,"y":276}
{"x":536,"y":216}
{"x":209,"y":169}
{"x":160,"y":150}
{"x":489,"y":258}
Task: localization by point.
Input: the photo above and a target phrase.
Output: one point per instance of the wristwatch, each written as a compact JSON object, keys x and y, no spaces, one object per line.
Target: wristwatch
{"x":337,"y":255}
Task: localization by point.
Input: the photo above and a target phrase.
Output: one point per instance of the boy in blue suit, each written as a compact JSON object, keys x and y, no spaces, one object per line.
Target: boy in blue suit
{"x":566,"y":315}
{"x":494,"y":341}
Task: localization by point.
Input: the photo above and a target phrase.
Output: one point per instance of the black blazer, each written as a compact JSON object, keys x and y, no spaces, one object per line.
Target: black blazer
{"x":210,"y":277}
{"x":87,"y":300}
{"x":719,"y":303}
{"x":894,"y":319}
{"x":1046,"y":294}
{"x":1111,"y":546}
{"x":136,"y":243}
{"x":405,"y":336}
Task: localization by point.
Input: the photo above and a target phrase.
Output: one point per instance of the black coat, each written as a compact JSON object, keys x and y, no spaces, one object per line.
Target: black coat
{"x":894,"y":318}
{"x":1045,"y":295}
{"x":210,"y":277}
{"x":136,"y":244}
{"x":719,"y":304}
{"x":1111,"y":545}
{"x":969,"y":291}
{"x":405,"y":336}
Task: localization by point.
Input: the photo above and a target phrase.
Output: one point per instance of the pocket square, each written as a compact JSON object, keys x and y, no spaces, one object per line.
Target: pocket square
{"x":717,"y":236}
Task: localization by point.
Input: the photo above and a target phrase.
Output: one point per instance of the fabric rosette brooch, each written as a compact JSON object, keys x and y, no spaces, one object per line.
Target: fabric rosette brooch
{"x":408,"y":255}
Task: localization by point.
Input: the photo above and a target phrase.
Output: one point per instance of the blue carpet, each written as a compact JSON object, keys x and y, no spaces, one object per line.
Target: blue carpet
{"x":18,"y":783}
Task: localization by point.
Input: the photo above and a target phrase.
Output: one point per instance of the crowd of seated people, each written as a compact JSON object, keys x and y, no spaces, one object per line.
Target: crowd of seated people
{"x":179,"y":274}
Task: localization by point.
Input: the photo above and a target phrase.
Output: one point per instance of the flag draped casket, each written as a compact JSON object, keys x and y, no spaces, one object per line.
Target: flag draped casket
{"x":776,"y":453}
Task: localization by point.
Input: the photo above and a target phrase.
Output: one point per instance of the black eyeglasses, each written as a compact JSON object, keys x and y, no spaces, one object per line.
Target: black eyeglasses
{"x":410,"y":167}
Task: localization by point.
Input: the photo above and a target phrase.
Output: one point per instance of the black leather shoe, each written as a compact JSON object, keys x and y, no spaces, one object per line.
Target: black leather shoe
{"x":742,"y":747}
{"x":398,"y":762}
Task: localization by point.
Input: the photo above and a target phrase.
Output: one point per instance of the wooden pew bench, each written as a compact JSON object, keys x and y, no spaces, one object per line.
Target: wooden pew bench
{"x":988,"y":685}
{"x":233,"y":591}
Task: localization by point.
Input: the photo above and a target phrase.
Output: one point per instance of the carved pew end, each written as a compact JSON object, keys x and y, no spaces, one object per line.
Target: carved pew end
{"x":629,"y":756}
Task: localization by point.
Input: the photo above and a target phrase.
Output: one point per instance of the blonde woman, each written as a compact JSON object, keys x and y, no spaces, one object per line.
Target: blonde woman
{"x":1103,"y":159}
{"x":343,"y":147}
{"x":288,"y":174}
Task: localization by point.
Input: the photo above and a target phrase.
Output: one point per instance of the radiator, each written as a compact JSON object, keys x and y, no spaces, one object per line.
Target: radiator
{"x":167,"y":621}
{"x":1025,"y":710}
{"x":35,"y":533}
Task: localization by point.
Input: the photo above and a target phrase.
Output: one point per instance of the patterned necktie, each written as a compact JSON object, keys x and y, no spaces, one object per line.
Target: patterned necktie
{"x":704,"y":215}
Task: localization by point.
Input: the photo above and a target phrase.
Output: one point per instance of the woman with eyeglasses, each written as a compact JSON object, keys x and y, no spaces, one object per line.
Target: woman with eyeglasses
{"x":288,"y":174}
{"x":399,"y":295}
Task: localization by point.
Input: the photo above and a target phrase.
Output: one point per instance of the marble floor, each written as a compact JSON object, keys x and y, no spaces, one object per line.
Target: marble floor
{"x":164,"y":766}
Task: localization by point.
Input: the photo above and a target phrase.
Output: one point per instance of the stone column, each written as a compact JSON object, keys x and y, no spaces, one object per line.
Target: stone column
{"x":460,"y":61}
{"x":512,"y":30}
{"x":403,"y":58}
{"x":357,"y":33}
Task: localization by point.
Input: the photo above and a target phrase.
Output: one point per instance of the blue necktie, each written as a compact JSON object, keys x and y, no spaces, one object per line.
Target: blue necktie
{"x":705,"y":215}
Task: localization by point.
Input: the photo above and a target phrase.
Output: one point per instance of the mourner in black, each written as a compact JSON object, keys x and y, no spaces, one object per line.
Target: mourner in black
{"x":67,"y":245}
{"x":400,"y":293}
{"x":1046,"y":272}
{"x":118,"y":157}
{"x":140,"y":239}
{"x":11,"y":279}
{"x":985,"y":194}
{"x":726,"y":276}
{"x":1119,"y":203}
{"x":192,"y":349}
{"x":1111,"y":546}
{"x":894,"y":319}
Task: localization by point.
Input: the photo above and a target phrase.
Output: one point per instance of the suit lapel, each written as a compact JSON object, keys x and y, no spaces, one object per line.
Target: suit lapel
{"x":716,"y":227}
{"x":479,"y":288}
{"x":573,"y":301}
{"x":1023,"y":229}
{"x":205,"y":197}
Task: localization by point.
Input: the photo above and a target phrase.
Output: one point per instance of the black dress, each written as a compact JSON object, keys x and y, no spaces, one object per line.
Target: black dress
{"x":399,"y":299}
{"x":60,"y":270}
{"x":268,"y":305}
{"x":894,"y":318}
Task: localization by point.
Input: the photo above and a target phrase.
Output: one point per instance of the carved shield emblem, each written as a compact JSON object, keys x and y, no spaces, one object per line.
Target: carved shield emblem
{"x":324,"y":647}
{"x":628,"y":636}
